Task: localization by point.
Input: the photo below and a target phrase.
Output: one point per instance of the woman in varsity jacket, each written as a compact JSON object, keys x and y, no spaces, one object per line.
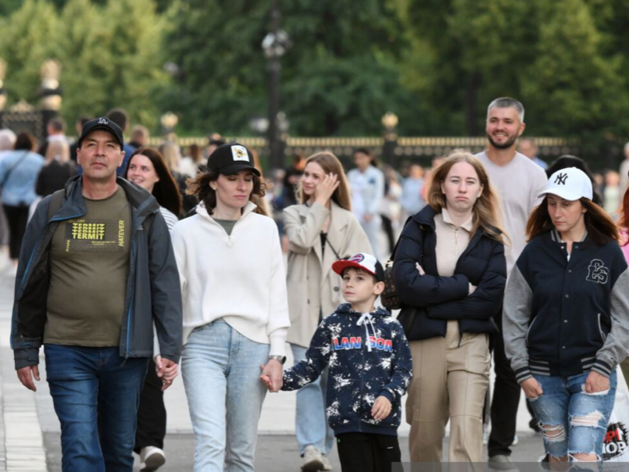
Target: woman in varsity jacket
{"x":566,"y":318}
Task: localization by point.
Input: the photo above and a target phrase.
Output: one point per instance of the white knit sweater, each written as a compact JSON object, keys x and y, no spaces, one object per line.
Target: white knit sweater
{"x":239,"y":278}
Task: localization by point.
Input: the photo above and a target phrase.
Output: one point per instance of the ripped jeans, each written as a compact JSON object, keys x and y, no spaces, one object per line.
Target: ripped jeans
{"x":573,"y":421}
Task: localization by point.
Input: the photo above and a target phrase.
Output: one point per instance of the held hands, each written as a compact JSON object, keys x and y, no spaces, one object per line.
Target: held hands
{"x":381,"y":408}
{"x":26,"y":375}
{"x":272,"y":375}
{"x":532,"y":388}
{"x":596,"y":383}
{"x":166,"y":370}
{"x":325,"y":189}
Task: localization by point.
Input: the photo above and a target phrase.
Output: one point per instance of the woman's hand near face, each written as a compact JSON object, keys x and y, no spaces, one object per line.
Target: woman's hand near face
{"x":326,"y":188}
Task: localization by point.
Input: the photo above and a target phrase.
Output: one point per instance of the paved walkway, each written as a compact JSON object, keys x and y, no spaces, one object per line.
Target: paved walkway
{"x":29,"y":429}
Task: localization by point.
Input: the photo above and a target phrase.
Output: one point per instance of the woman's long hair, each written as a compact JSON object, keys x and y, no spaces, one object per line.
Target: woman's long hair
{"x":166,"y":191}
{"x":330,"y":165}
{"x":200,"y":188}
{"x":599,"y":225}
{"x":486,"y":209}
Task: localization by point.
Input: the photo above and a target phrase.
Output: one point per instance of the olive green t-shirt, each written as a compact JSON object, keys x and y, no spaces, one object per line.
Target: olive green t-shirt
{"x":89,"y":264}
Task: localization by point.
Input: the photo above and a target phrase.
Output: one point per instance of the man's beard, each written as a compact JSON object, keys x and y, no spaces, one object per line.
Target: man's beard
{"x":506,"y":145}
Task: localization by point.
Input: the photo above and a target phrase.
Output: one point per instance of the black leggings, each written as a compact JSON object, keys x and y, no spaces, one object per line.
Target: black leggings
{"x":17,"y":217}
{"x":367,"y":452}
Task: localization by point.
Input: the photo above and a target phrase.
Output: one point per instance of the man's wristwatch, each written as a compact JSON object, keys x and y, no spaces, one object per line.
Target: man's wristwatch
{"x":280,"y":359}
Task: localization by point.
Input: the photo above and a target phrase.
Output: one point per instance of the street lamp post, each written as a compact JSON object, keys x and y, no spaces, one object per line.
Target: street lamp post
{"x":275,"y":45}
{"x":389,"y":121}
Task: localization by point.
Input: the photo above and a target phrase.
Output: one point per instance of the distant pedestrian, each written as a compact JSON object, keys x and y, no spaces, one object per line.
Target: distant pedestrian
{"x":58,"y":169}
{"x":624,"y":170}
{"x":321,"y":229}
{"x":18,"y":175}
{"x":370,"y":369}
{"x":528,"y":147}
{"x":412,"y":199}
{"x":120,"y":117}
{"x":366,"y":182}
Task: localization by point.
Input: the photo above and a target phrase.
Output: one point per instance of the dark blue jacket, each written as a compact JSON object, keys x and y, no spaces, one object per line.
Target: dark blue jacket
{"x":368,"y":356}
{"x":440,"y":299}
{"x":565,"y":317}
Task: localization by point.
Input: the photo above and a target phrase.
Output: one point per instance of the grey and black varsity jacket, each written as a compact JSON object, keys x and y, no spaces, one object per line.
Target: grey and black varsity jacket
{"x":565,"y":316}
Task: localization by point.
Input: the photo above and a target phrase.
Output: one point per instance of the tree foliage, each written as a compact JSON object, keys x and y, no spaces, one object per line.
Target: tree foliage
{"x":435,"y":63}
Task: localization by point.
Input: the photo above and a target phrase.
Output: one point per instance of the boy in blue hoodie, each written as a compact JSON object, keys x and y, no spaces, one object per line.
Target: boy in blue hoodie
{"x":370,"y":368}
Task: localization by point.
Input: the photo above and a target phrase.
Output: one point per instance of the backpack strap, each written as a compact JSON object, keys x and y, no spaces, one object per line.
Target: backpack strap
{"x":56,"y":200}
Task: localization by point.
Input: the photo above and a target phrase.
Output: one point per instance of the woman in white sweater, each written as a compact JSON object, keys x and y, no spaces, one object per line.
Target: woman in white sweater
{"x":321,"y":229}
{"x":235,"y":309}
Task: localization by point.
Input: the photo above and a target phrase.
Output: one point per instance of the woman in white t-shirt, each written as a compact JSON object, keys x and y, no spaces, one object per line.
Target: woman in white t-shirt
{"x":235,"y":309}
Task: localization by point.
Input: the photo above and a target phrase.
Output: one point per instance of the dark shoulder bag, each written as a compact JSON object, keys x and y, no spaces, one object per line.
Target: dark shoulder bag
{"x":389,"y":297}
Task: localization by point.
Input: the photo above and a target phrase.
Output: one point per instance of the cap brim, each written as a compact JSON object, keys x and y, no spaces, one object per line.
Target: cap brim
{"x":102,"y":128}
{"x":231,"y":170}
{"x":562,"y":193}
{"x":340,"y":266}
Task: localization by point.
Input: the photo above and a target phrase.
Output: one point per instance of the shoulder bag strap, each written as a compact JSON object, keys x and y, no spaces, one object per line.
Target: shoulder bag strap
{"x":12,"y":168}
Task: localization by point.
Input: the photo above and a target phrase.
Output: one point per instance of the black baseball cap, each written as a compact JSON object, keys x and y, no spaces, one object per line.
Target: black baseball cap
{"x":104,"y":124}
{"x":230,"y":159}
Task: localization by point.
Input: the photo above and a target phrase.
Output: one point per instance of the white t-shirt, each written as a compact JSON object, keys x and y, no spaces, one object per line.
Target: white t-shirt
{"x":518,"y":183}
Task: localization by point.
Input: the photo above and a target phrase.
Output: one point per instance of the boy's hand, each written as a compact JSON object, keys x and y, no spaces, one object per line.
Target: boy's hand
{"x":381,"y":408}
{"x":272,"y":375}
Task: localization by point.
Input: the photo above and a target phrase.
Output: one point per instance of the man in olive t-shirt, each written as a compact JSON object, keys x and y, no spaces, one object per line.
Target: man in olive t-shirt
{"x":97,"y":276}
{"x":91,"y":252}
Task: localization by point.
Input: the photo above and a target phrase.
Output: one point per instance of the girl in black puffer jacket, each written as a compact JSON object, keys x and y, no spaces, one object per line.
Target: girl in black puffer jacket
{"x":450,"y":273}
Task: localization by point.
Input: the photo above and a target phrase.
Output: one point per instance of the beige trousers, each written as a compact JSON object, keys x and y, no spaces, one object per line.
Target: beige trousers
{"x":450,"y":379}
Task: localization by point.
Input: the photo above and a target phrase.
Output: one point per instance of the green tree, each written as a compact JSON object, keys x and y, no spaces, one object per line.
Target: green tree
{"x":133,"y":35}
{"x":335,"y":79}
{"x":86,"y":58}
{"x":27,"y":41}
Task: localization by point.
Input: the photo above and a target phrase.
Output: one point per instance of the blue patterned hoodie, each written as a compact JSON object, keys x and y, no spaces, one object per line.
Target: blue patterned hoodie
{"x":368,"y":356}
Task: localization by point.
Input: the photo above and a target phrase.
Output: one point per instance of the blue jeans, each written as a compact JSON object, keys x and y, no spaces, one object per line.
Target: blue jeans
{"x":573,"y":421}
{"x":221,"y":374}
{"x":311,"y":423}
{"x":96,"y":394}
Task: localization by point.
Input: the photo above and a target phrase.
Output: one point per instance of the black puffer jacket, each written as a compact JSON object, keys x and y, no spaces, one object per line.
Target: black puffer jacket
{"x":446,"y":298}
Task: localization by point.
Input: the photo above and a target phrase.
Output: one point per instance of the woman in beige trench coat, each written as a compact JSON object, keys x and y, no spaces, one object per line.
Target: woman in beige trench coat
{"x":321,"y":230}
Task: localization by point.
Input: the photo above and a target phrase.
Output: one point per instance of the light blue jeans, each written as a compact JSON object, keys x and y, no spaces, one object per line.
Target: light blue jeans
{"x":573,"y":421}
{"x":221,"y":370}
{"x":311,"y":422}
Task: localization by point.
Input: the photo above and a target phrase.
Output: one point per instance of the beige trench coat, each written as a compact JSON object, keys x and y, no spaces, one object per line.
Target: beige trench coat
{"x":312,"y":284}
